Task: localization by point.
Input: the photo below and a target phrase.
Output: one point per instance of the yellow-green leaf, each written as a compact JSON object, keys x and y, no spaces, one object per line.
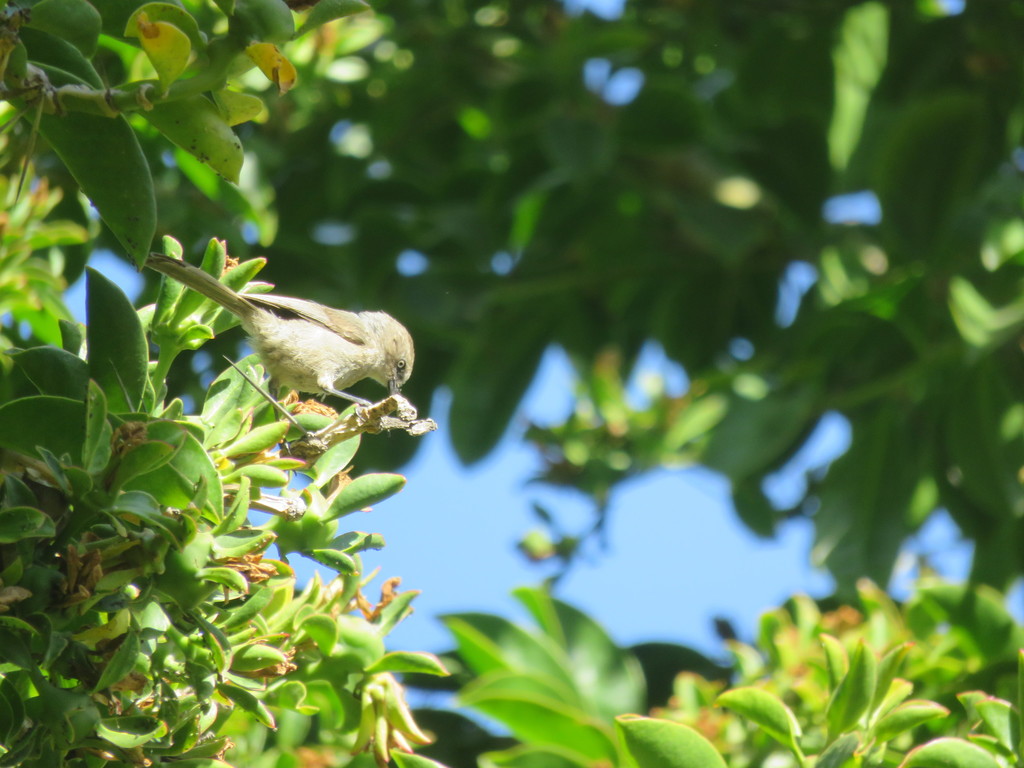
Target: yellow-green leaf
{"x":273,"y":64}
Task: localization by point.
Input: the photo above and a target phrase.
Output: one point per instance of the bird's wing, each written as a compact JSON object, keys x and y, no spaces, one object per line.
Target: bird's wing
{"x":345,"y":324}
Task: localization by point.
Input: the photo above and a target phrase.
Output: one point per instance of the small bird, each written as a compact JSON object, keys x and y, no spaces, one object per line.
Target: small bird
{"x":304,"y":345}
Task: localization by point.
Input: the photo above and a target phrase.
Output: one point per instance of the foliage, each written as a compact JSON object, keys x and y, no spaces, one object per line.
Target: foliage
{"x":142,"y":618}
{"x":180,"y":67}
{"x":879,"y":684}
{"x":547,"y":178}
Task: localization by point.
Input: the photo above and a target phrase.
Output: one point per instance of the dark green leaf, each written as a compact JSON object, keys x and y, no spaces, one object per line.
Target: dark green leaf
{"x":54,"y":423}
{"x":53,"y":371}
{"x":118,"y":356}
{"x":104,"y":156}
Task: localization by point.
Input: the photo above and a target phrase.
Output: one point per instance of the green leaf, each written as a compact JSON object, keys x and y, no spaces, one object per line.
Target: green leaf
{"x":949,"y":753}
{"x":608,"y":678}
{"x":839,"y":752}
{"x":195,"y":124}
{"x":258,"y":439}
{"x":53,"y":371}
{"x":907,"y":716}
{"x":118,"y":355}
{"x":328,"y":10}
{"x":768,"y":712}
{"x":539,"y":719}
{"x":487,"y":388}
{"x":106,"y":160}
{"x":121,"y":663}
{"x":141,"y":459}
{"x":173,"y":14}
{"x":17,"y":523}
{"x":863,"y":513}
{"x":363,"y":492}
{"x":663,"y":744}
{"x":255,"y":656}
{"x":335,"y":560}
{"x":75,"y":21}
{"x":859,"y":57}
{"x":405,"y":760}
{"x":189,"y":478}
{"x":248,"y":702}
{"x":531,"y":756}
{"x":54,"y":423}
{"x":998,"y":720}
{"x":853,"y":695}
{"x":334,"y":459}
{"x":488,"y":643}
{"x":322,"y":629}
{"x":409,"y":661}
{"x":262,"y":475}
{"x":96,"y":448}
{"x":756,"y":433}
{"x":130,"y":731}
{"x":919,"y":196}
{"x":226,"y":577}
{"x":241,"y":543}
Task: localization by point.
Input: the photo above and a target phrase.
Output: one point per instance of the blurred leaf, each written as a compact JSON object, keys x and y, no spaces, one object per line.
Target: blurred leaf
{"x":767,"y":711}
{"x":662,"y":744}
{"x":919,"y":197}
{"x":860,"y":57}
{"x":863,"y":513}
{"x":328,"y":10}
{"x":853,"y":694}
{"x":949,"y":753}
{"x":757,"y":433}
{"x":907,"y":716}
{"x":608,"y":677}
{"x":535,"y":718}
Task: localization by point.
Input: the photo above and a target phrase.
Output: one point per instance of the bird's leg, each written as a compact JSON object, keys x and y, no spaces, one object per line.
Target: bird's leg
{"x":346,"y":396}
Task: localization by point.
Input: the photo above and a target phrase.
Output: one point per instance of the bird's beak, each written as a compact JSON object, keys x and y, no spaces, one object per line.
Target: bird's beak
{"x":393,"y":387}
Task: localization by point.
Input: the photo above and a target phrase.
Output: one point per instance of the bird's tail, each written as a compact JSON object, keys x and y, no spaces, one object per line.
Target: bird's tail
{"x":201,"y":282}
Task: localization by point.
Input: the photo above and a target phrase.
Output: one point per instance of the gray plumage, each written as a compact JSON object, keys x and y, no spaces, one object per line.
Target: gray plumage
{"x":304,"y":345}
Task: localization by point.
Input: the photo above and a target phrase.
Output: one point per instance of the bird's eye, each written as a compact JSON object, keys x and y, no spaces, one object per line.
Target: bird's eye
{"x":400,"y":365}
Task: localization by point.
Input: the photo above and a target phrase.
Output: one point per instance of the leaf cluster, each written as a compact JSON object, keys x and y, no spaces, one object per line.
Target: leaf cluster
{"x":143,"y":615}
{"x":934,"y":681}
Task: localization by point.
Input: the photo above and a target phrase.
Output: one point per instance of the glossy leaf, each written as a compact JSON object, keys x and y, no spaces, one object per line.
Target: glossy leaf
{"x":662,"y":744}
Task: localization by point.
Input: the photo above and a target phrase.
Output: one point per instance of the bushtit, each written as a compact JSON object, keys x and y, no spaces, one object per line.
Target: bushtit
{"x":305,"y":345}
